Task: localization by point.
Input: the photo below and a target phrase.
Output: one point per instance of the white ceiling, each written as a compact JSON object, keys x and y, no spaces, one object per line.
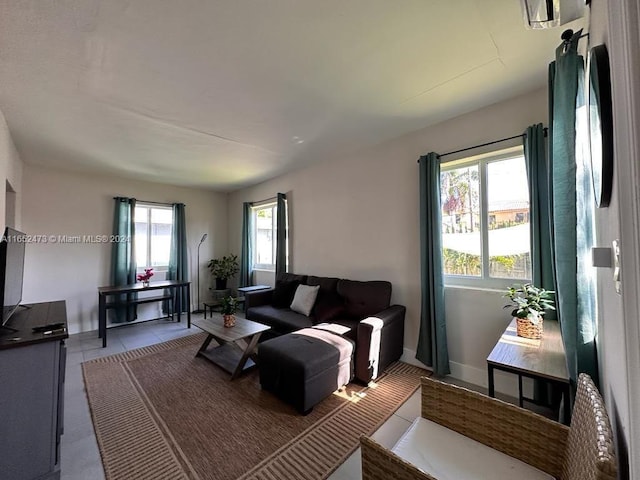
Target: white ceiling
{"x":227,"y":93}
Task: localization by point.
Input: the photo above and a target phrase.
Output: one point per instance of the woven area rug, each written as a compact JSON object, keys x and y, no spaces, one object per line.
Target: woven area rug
{"x":161,"y":413}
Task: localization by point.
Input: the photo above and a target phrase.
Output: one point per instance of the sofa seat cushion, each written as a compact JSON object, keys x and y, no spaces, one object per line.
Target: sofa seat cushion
{"x":351,"y":323}
{"x":447,"y":455}
{"x":282,"y":320}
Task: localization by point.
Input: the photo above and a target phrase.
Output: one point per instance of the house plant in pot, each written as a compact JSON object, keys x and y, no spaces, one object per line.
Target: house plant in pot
{"x":223,"y":268}
{"x":529,"y":303}
{"x":228,"y":306}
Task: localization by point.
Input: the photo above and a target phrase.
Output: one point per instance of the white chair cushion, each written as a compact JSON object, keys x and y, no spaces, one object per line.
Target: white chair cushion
{"x":448,"y":455}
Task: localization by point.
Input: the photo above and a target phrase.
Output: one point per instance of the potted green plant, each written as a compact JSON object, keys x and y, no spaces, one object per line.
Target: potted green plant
{"x":223,"y":268}
{"x":529,"y":303}
{"x":228,"y":307}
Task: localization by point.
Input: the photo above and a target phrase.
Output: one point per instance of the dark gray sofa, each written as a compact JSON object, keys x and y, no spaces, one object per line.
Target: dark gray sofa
{"x":376,"y":327}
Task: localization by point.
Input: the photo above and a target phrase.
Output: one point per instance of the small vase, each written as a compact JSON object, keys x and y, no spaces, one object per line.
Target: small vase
{"x":229,"y":320}
{"x":145,"y":283}
{"x":221,"y":283}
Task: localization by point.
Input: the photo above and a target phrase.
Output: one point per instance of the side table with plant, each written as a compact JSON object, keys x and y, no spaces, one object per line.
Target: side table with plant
{"x":223,"y":268}
{"x":529,"y":304}
{"x":228,"y":307}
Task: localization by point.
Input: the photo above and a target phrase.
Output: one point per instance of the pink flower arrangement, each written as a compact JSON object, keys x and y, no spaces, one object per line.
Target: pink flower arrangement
{"x":144,"y":277}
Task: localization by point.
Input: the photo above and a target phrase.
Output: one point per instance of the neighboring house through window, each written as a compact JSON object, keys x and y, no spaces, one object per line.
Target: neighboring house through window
{"x":153,"y":225}
{"x":264,"y":236}
{"x":485,"y":220}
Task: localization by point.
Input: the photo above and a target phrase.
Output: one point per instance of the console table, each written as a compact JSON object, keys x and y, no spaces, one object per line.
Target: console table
{"x":32,"y":393}
{"x":543,"y":359}
{"x":175,"y":288}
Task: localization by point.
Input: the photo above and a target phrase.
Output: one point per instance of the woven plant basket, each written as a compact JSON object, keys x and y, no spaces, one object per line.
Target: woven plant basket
{"x":526,"y":329}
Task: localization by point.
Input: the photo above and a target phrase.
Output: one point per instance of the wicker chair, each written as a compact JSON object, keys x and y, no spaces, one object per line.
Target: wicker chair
{"x":582,"y":452}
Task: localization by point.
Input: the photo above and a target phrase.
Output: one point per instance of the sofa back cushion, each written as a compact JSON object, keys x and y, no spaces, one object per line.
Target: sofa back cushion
{"x":328,"y":304}
{"x":326,"y":284}
{"x":285,"y":289}
{"x":363,"y":299}
{"x":291,"y":277}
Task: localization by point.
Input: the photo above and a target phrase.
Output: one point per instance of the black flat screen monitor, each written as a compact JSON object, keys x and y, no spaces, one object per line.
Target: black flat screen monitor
{"x":11,"y":271}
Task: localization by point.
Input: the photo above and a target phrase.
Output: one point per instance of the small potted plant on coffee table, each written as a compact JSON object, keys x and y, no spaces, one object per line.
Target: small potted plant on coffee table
{"x":529,"y":304}
{"x":228,"y":307}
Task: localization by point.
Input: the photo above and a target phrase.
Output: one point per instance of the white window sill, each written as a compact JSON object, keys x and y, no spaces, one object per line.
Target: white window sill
{"x":477,"y":289}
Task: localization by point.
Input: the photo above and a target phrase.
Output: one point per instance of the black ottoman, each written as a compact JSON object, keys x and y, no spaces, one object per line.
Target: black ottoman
{"x":304,"y":367}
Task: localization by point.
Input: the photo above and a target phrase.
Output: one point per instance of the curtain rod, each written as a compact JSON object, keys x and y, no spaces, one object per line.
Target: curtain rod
{"x":545,"y":129}
{"x":264,"y":202}
{"x":567,"y":34}
{"x":152,"y":203}
{"x":481,"y":145}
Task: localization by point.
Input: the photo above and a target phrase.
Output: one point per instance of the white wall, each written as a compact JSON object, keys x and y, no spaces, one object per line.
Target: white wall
{"x":618,"y":340}
{"x":356,"y":216}
{"x":11,"y":172}
{"x":60,"y":202}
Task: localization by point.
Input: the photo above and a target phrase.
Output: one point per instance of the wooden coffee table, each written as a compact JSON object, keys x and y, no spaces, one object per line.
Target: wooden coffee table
{"x":229,"y":354}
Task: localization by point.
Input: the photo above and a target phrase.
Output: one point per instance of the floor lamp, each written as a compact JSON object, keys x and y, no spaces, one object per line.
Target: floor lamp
{"x":198,"y":309}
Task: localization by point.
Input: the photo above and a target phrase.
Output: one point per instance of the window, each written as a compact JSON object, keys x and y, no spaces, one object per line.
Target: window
{"x":264,"y":237}
{"x":485,"y":219}
{"x":153,"y":225}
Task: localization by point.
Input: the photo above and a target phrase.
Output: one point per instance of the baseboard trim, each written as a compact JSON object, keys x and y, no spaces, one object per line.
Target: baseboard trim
{"x":504,"y":382}
{"x":409,"y":356}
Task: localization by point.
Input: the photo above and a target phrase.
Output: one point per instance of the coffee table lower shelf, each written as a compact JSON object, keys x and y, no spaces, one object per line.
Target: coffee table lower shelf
{"x":229,"y":354}
{"x":229,"y":357}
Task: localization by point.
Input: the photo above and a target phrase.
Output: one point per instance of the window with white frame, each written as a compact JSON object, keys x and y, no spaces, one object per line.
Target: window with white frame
{"x":264,"y":236}
{"x":153,"y":224}
{"x":485,"y":219}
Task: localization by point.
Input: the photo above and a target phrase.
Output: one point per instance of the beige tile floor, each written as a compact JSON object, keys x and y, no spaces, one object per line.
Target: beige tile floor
{"x":80,"y":456}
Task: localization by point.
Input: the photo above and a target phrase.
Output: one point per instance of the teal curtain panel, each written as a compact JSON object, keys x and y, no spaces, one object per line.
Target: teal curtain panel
{"x":281,"y":234}
{"x":246,"y":253}
{"x":540,"y":235}
{"x":123,"y":262}
{"x":539,"y":210}
{"x":178,"y":254}
{"x":432,"y":336}
{"x":576,"y":312}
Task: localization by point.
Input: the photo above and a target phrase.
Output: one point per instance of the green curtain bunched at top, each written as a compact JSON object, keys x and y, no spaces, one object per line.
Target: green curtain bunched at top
{"x":123,"y":262}
{"x":178,"y":256}
{"x":572,"y":215}
{"x":245,"y":254}
{"x":281,"y":234}
{"x":432,"y":336}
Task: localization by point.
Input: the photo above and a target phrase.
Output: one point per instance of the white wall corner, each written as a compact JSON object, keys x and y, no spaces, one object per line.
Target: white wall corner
{"x":505,"y":383}
{"x":409,"y":356}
